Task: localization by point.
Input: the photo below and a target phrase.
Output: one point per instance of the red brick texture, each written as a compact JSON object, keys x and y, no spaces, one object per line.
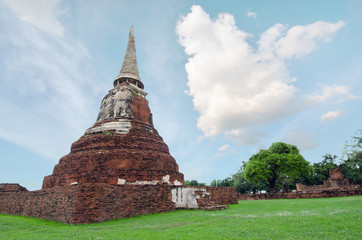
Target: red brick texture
{"x":102,"y":202}
{"x":217,"y":196}
{"x":53,"y":204}
{"x":223,"y":195}
{"x":140,"y":155}
{"x":87,"y":203}
{"x":12,"y":187}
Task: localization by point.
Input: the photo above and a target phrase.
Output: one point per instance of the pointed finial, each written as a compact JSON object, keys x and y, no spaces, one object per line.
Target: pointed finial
{"x":129,"y":71}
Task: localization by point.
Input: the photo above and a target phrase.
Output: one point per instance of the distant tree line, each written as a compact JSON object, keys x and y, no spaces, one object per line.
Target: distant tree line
{"x":282,"y":166}
{"x":194,"y":183}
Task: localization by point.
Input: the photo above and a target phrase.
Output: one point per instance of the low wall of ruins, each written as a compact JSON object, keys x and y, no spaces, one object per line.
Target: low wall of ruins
{"x":102,"y":202}
{"x":298,"y":195}
{"x":52,"y":204}
{"x":195,"y":197}
{"x":87,"y":203}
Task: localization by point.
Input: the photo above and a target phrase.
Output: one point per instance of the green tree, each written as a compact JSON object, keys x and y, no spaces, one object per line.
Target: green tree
{"x":351,"y":166}
{"x":280,"y":160}
{"x":194,"y":183}
{"x":353,"y":151}
{"x":242,"y":186}
{"x":227,"y":182}
{"x":321,"y":169}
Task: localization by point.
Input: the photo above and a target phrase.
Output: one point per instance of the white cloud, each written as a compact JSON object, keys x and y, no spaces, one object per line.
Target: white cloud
{"x":302,"y":139}
{"x":301,"y":40}
{"x":339,"y":91}
{"x":40,"y":13}
{"x":332,"y":115}
{"x":245,"y":136}
{"x":251,"y":14}
{"x":235,"y":87}
{"x":223,"y":148}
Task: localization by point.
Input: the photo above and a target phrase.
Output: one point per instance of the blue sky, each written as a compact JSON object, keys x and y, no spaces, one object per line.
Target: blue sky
{"x":225,"y":78}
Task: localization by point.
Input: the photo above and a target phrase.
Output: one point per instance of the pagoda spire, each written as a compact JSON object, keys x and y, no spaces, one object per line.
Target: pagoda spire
{"x":129,"y":71}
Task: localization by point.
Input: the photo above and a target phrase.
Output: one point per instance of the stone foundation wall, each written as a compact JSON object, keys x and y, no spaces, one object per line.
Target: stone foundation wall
{"x":322,"y":194}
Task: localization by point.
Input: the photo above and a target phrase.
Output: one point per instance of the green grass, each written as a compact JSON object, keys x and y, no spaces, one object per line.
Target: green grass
{"x":328,"y":218}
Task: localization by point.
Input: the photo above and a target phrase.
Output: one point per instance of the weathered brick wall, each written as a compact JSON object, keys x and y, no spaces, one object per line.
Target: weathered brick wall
{"x":223,"y":195}
{"x":322,"y":194}
{"x":52,"y":204}
{"x":11,"y":187}
{"x":195,"y":197}
{"x":90,"y":202}
{"x":86,"y":203}
{"x":102,"y":202}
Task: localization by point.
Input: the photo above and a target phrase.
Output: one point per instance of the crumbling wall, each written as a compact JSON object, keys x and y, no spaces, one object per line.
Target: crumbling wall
{"x":102,"y":202}
{"x":298,"y":195}
{"x":194,"y":197}
{"x":92,"y":202}
{"x":334,"y":182}
{"x":87,"y":203}
{"x":52,"y":204}
{"x":12,"y":187}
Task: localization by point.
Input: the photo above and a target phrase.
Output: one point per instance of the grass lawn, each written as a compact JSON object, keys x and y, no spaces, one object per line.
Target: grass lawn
{"x":328,"y":218}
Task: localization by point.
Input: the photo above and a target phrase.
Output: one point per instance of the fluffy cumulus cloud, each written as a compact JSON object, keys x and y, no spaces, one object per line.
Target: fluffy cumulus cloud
{"x":237,"y":88}
{"x":46,"y":82}
{"x":332,"y":115}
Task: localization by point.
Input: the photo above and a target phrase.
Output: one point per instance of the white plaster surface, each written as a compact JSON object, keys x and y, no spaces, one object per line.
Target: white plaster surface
{"x":166,"y":179}
{"x":177,"y":183}
{"x":121,"y":126}
{"x":121,"y":181}
{"x":185,"y":197}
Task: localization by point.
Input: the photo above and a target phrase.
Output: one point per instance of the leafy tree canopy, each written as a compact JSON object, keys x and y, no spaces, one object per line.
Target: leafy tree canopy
{"x":280,"y":161}
{"x":353,"y":151}
{"x":351,"y":166}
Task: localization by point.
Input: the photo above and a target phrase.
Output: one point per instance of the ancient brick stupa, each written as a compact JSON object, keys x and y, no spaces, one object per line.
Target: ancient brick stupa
{"x":122,"y":147}
{"x":119,"y":168}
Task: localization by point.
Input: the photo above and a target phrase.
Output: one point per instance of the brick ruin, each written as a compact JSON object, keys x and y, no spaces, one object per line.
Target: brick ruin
{"x":120,"y":167}
{"x":336,"y":181}
{"x":12,"y":187}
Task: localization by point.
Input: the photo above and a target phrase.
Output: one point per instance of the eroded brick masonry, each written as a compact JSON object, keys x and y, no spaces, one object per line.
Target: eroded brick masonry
{"x":120,"y":167}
